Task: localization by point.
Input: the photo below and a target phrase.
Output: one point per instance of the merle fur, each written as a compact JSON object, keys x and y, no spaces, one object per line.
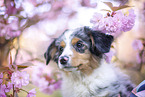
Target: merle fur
{"x":98,"y":44}
{"x":101,"y":40}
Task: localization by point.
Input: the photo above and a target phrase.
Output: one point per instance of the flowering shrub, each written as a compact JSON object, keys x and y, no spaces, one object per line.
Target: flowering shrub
{"x":114,"y":22}
{"x":48,"y":81}
{"x":13,"y":79}
{"x":17,"y":15}
{"x":109,"y":55}
{"x":9,"y":28}
{"x":139,"y":46}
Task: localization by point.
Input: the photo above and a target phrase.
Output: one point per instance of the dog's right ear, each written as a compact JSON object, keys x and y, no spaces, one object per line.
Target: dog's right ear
{"x":100,"y":42}
{"x":50,"y":53}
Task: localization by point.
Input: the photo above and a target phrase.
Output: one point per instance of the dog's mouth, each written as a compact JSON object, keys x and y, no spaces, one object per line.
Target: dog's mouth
{"x":71,"y":68}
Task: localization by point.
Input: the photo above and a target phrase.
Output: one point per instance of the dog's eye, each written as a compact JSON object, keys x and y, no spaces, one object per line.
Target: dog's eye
{"x":79,"y":44}
{"x":60,"y":48}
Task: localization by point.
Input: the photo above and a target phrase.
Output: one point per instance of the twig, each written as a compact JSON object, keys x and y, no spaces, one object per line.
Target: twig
{"x":24,"y":90}
{"x":17,"y":50}
{"x":13,"y":91}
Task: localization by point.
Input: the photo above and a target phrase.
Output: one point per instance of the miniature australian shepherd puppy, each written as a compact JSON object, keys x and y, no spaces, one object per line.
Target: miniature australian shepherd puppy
{"x":79,"y":55}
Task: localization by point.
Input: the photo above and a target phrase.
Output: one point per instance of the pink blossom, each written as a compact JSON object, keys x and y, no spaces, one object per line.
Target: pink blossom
{"x":138,"y":58}
{"x":13,"y":67}
{"x":2,"y":94}
{"x":128,"y":21}
{"x":20,"y":79}
{"x":11,"y":9}
{"x":47,"y":84}
{"x":1,"y":78}
{"x":137,"y":44}
{"x":87,"y":3}
{"x":48,"y":89}
{"x":51,"y":88}
{"x":109,"y":56}
{"x":2,"y":87}
{"x":57,"y":85}
{"x":113,"y":23}
{"x":31,"y":93}
{"x":10,"y":28}
{"x":96,"y":18}
{"x":9,"y":86}
{"x":1,"y":3}
{"x":2,"y":90}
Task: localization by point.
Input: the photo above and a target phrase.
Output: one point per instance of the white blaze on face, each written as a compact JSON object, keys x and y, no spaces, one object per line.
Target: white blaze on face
{"x":68,"y":48}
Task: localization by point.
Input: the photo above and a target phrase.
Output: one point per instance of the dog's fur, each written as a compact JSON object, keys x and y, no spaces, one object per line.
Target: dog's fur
{"x":86,"y":74}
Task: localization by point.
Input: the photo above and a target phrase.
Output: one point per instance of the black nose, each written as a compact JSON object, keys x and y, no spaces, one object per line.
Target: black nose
{"x":64,"y":60}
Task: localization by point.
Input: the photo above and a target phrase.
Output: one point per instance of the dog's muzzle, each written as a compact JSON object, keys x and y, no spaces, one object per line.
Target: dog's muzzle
{"x":64,"y":60}
{"x":65,"y":65}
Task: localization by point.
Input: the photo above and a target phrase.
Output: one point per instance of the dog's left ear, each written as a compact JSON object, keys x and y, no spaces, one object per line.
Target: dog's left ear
{"x":100,"y":42}
{"x":50,"y":53}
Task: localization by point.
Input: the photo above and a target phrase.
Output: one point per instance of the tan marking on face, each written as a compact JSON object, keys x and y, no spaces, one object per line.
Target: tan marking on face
{"x":62,"y":43}
{"x":85,"y":62}
{"x":74,"y":40}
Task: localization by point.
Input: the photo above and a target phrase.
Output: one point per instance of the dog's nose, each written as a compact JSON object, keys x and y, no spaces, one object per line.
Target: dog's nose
{"x":64,"y":60}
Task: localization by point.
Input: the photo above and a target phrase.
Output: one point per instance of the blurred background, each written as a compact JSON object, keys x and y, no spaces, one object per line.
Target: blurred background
{"x":27,"y":27}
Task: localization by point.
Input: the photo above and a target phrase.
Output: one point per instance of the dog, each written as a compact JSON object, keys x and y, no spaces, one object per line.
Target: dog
{"x":79,"y":56}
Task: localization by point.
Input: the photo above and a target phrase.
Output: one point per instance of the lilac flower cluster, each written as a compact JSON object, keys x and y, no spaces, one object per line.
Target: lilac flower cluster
{"x":114,"y":23}
{"x":48,"y":82}
{"x":14,"y":81}
{"x":139,"y":47}
{"x":9,"y":22}
{"x":9,"y":28}
{"x":109,"y":55}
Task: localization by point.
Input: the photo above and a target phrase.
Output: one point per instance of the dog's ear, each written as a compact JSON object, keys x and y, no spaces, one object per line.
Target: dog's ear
{"x":100,"y":42}
{"x":50,"y":53}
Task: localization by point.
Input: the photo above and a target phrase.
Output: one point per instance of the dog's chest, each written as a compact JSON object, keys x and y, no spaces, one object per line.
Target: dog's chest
{"x":75,"y":89}
{"x":99,"y":84}
{"x":85,"y":87}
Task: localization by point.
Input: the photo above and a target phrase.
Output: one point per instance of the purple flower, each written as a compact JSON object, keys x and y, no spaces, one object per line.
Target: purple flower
{"x":109,"y":56}
{"x":128,"y":21}
{"x":96,"y":18}
{"x":2,"y":90}
{"x":48,"y":89}
{"x":57,"y":85}
{"x":137,"y":44}
{"x":87,"y":3}
{"x":1,"y":3}
{"x":13,"y":67}
{"x":20,"y":79}
{"x":47,"y":84}
{"x":2,"y":94}
{"x":31,"y":93}
{"x":10,"y":28}
{"x":9,"y":86}
{"x":138,"y":58}
{"x":113,"y":23}
{"x":1,"y":78}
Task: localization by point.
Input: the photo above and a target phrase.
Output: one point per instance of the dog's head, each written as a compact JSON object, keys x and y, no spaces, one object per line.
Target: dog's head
{"x":80,"y":49}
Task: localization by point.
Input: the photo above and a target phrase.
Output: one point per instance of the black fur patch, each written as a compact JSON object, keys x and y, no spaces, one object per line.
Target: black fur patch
{"x":47,"y":55}
{"x":129,"y":87}
{"x":100,"y":42}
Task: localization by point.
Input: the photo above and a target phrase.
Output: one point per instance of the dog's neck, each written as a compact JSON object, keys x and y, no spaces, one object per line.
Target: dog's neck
{"x":81,"y":74}
{"x":75,"y":80}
